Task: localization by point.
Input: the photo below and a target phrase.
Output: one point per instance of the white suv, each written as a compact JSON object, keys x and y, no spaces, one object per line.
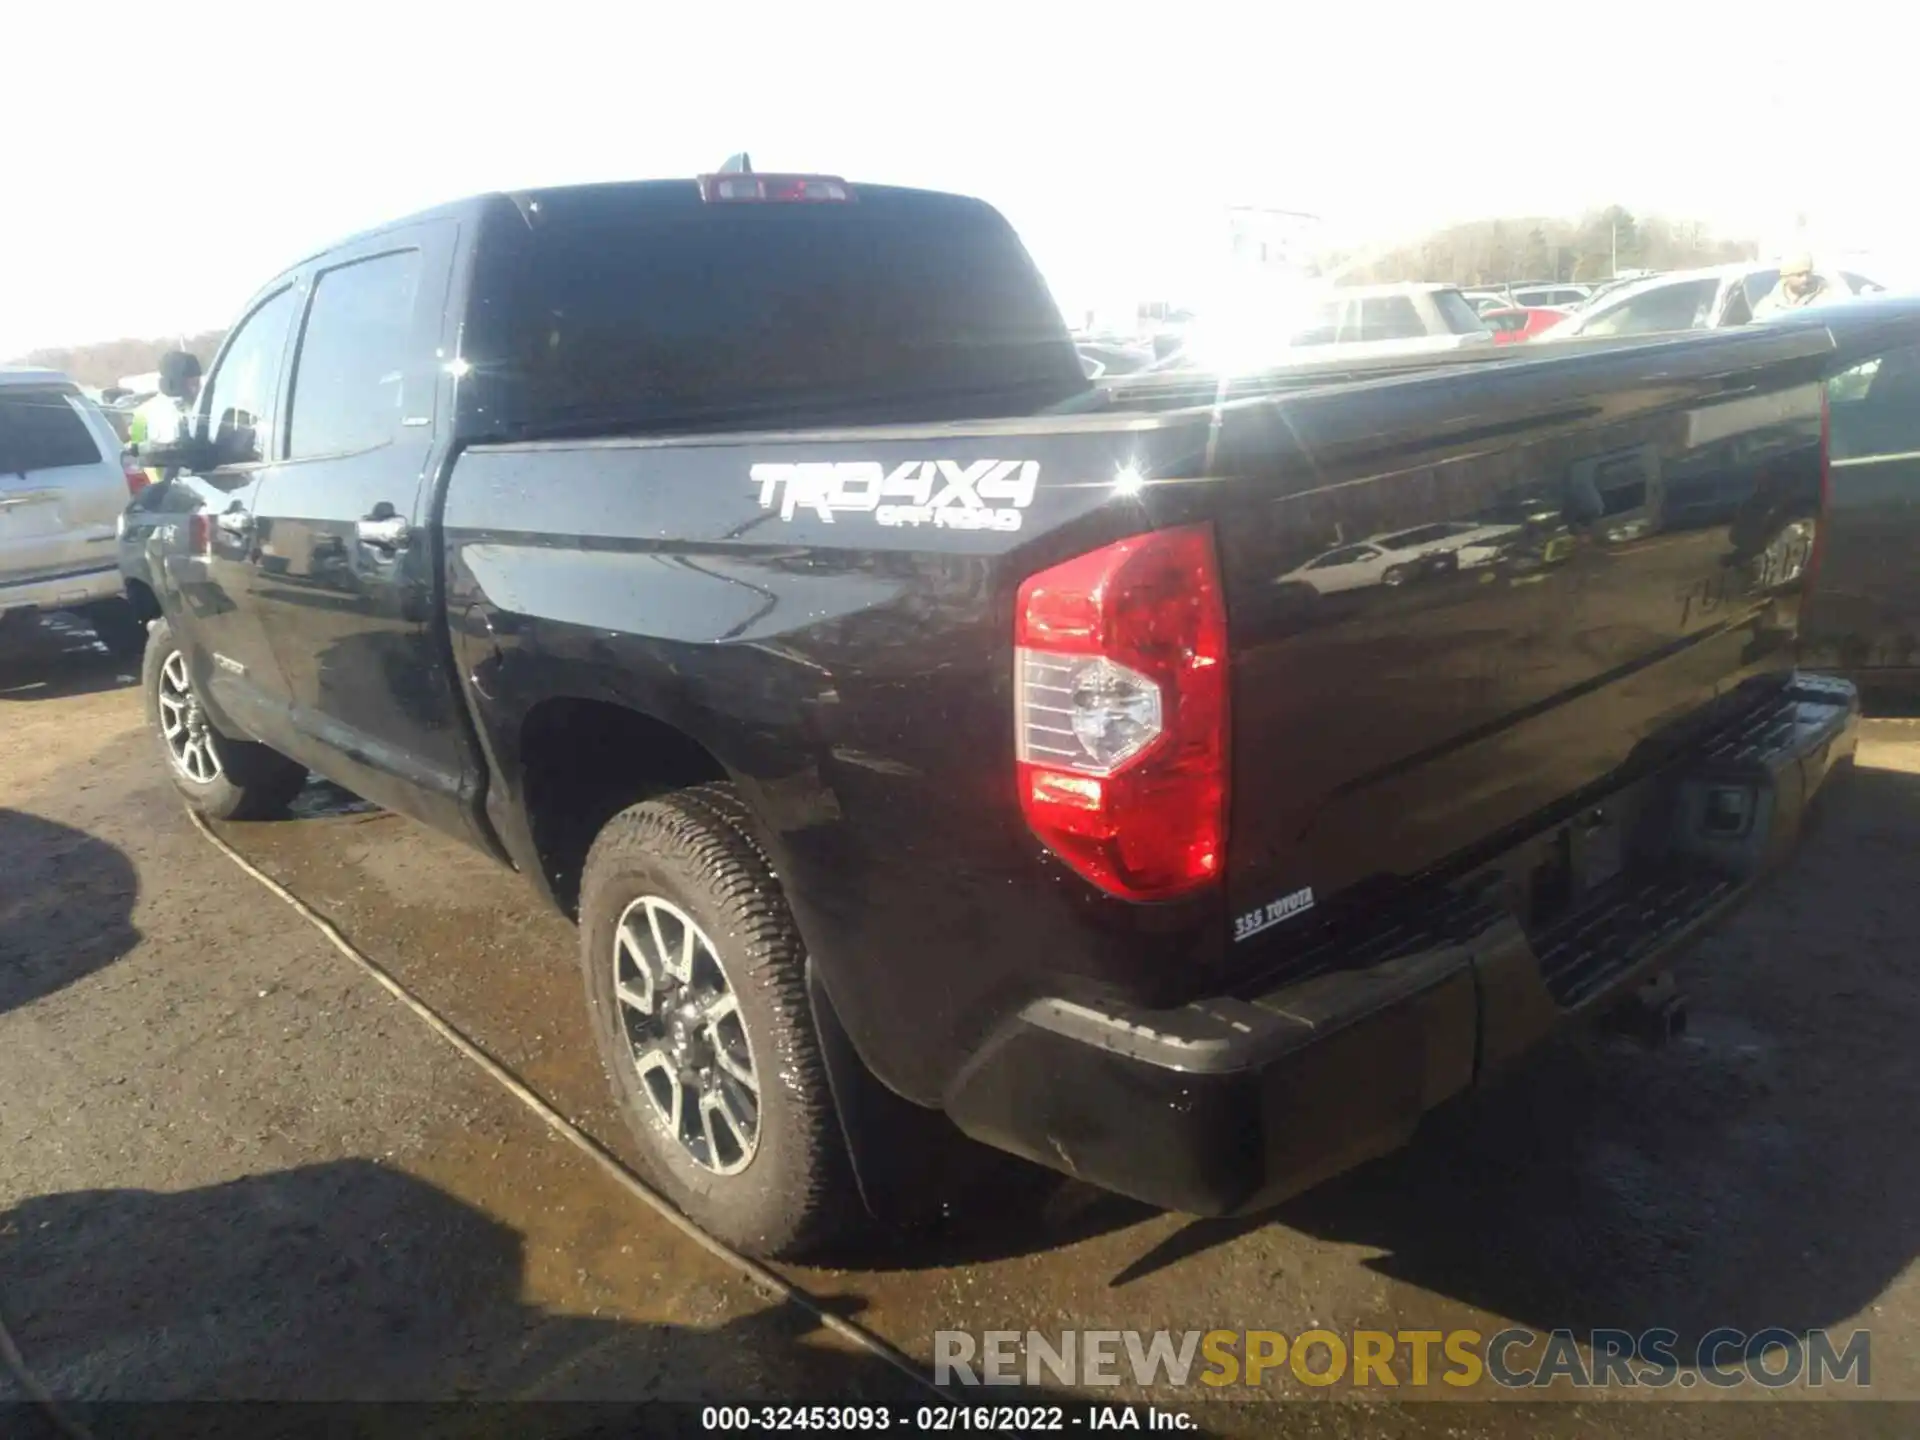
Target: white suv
{"x":63,"y":484}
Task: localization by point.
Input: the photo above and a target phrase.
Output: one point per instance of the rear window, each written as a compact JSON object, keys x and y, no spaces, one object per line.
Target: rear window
{"x":41,"y":430}
{"x":636,"y":307}
{"x":1459,"y":316}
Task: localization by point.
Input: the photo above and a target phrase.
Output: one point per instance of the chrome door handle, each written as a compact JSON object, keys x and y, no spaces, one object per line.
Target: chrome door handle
{"x":390,"y":533}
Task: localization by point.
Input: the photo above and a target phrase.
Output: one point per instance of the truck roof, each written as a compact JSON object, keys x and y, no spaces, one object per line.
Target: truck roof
{"x":669,"y":192}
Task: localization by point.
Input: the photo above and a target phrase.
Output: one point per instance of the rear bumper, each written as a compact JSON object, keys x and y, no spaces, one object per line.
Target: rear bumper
{"x":1233,"y":1103}
{"x":62,"y":591}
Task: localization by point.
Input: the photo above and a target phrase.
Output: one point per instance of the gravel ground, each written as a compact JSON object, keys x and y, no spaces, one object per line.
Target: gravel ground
{"x":232,"y":1166}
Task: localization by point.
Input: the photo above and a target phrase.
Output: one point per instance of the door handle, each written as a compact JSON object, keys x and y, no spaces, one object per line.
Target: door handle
{"x":383,"y":532}
{"x":234,"y":522}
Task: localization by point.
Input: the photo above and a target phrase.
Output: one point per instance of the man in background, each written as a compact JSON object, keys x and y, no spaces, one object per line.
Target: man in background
{"x":1798,"y":287}
{"x":166,"y":416}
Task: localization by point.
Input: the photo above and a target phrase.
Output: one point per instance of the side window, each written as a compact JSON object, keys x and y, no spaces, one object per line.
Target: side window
{"x":1390,"y":317}
{"x":1875,"y":407}
{"x":1320,"y":325}
{"x":1349,"y":555}
{"x":1671,"y":307}
{"x":1759,"y":285}
{"x":238,"y":408}
{"x":350,"y":378}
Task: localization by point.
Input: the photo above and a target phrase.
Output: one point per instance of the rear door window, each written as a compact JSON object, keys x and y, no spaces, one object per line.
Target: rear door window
{"x":1389,"y":317}
{"x":40,"y":429}
{"x":350,"y":378}
{"x":1351,"y":555}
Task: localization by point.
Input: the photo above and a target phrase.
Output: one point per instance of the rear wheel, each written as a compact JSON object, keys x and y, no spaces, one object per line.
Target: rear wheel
{"x":223,"y":779}
{"x":695,"y":981}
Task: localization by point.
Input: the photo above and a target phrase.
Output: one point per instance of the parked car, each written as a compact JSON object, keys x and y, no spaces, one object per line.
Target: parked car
{"x":1863,"y":617}
{"x":62,"y":487}
{"x":916,"y":729}
{"x":1511,"y":326}
{"x":1349,"y":321}
{"x":1484,"y":300}
{"x":1707,"y":299}
{"x":1556,"y":295}
{"x":1400,"y":556}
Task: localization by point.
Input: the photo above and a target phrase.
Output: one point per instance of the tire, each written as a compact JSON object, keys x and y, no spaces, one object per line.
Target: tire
{"x":1396,"y":575}
{"x":118,"y":628}
{"x":786,"y":1188}
{"x":224,"y":779}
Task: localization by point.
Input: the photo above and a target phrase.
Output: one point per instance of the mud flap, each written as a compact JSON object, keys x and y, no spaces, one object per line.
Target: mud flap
{"x":906,"y":1159}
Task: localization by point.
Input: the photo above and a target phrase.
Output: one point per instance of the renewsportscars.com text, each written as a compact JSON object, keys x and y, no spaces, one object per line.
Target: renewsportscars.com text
{"x":1462,"y":1359}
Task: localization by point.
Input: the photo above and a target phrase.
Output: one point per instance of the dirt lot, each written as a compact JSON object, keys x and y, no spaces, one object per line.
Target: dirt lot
{"x":231,"y":1166}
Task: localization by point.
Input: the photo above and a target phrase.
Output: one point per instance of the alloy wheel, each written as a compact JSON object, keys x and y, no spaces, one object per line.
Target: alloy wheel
{"x":686,"y":1034}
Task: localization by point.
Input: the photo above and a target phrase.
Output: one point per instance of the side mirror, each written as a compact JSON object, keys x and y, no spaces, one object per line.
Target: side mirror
{"x":189,"y":453}
{"x":235,"y":438}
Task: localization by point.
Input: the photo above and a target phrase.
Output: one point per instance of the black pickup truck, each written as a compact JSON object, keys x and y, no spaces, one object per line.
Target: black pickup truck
{"x":1182,"y":783}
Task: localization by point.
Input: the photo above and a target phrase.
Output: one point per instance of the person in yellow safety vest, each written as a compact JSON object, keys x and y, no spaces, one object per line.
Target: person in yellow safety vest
{"x":165,"y":417}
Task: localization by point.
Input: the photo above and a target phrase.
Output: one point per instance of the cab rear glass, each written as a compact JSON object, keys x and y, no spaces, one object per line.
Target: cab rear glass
{"x":626,"y":306}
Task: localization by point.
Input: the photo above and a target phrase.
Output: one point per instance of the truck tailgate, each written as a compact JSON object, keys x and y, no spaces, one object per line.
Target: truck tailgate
{"x":1458,"y":600}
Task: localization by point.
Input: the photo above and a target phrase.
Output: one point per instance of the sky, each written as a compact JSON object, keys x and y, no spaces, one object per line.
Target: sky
{"x":182,"y":153}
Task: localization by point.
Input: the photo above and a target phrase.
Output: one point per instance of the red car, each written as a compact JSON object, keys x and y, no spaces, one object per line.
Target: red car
{"x":1519,"y":323}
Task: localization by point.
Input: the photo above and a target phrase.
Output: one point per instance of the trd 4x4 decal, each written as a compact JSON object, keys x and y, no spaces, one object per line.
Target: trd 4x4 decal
{"x":960,"y":495}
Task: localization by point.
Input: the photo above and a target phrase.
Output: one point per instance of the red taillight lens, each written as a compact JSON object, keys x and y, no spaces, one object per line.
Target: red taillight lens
{"x":1120,"y":696}
{"x":200,"y":533}
{"x":137,"y":479}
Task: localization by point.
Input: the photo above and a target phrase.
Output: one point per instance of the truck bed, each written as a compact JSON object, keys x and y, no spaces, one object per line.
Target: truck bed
{"x":1608,"y":551}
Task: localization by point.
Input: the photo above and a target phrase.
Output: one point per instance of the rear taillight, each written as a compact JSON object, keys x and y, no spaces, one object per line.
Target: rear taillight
{"x":137,"y":478}
{"x":1120,"y":699}
{"x":200,"y":533}
{"x":1811,"y":578}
